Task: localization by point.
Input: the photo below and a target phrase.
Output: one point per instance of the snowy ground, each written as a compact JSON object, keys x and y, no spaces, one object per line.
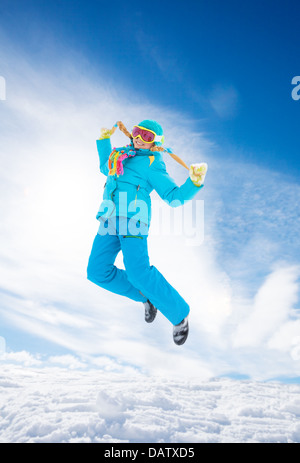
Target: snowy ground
{"x":53,"y":404}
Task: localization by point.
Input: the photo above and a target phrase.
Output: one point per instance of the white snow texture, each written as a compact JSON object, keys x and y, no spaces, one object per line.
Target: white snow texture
{"x":56,"y":405}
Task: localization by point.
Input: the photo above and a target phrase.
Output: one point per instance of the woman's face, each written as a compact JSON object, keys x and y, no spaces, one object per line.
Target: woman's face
{"x":139,"y":144}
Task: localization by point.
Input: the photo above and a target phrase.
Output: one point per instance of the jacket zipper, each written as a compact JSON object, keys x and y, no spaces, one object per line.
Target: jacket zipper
{"x":111,"y":196}
{"x":137,"y":189}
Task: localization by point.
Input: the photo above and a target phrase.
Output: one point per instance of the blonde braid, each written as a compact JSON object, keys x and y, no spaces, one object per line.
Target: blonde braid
{"x":157,"y":148}
{"x":174,"y":156}
{"x":122,"y":128}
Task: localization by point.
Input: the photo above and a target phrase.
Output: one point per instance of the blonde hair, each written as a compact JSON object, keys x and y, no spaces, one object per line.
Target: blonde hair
{"x":153,"y":148}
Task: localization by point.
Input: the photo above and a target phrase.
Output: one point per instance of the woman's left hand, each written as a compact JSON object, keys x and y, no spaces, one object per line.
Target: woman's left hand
{"x":197,"y":173}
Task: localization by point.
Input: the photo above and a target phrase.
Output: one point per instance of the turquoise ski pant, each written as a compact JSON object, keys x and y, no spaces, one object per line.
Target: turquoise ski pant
{"x":139,"y":281}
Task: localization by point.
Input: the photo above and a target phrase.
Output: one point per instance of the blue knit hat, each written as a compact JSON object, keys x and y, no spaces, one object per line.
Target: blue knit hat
{"x":154,"y":126}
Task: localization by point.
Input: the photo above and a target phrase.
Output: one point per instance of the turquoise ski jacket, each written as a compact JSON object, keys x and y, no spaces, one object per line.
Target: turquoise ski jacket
{"x":128,"y":195}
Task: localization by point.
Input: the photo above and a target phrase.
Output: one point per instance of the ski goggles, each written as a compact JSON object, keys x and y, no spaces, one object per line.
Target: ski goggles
{"x":146,"y":135}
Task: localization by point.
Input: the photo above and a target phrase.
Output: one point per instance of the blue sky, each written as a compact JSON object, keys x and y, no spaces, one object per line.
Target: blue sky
{"x":217,"y":76}
{"x":242,"y":53}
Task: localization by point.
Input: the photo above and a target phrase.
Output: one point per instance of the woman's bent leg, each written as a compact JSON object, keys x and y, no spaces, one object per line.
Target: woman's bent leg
{"x":102,"y":271}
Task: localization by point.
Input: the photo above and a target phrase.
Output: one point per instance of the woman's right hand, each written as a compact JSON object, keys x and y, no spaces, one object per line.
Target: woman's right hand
{"x":105,"y":133}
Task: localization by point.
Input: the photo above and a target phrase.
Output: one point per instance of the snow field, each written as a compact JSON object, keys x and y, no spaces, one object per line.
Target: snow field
{"x":60,"y":405}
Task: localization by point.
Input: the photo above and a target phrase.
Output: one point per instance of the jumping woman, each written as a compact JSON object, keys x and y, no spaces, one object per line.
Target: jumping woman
{"x":133,"y":172}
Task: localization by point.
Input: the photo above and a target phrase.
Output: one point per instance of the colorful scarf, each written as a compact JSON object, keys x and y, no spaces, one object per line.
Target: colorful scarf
{"x":116,"y":158}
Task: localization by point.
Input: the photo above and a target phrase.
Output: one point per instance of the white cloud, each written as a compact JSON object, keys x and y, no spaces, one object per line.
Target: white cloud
{"x":67,"y":361}
{"x":272,"y":307}
{"x":224,"y":100}
{"x":22,"y":357}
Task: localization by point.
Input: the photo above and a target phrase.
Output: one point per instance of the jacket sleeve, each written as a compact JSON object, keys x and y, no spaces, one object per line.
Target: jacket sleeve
{"x":104,"y":150}
{"x":166,"y":187}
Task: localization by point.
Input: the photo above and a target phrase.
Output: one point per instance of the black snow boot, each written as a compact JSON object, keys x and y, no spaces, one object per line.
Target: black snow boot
{"x":181,"y":331}
{"x":150,"y":311}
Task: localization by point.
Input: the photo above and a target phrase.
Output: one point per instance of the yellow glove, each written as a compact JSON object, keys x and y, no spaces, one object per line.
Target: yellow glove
{"x":105,"y":133}
{"x":197,"y":173}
